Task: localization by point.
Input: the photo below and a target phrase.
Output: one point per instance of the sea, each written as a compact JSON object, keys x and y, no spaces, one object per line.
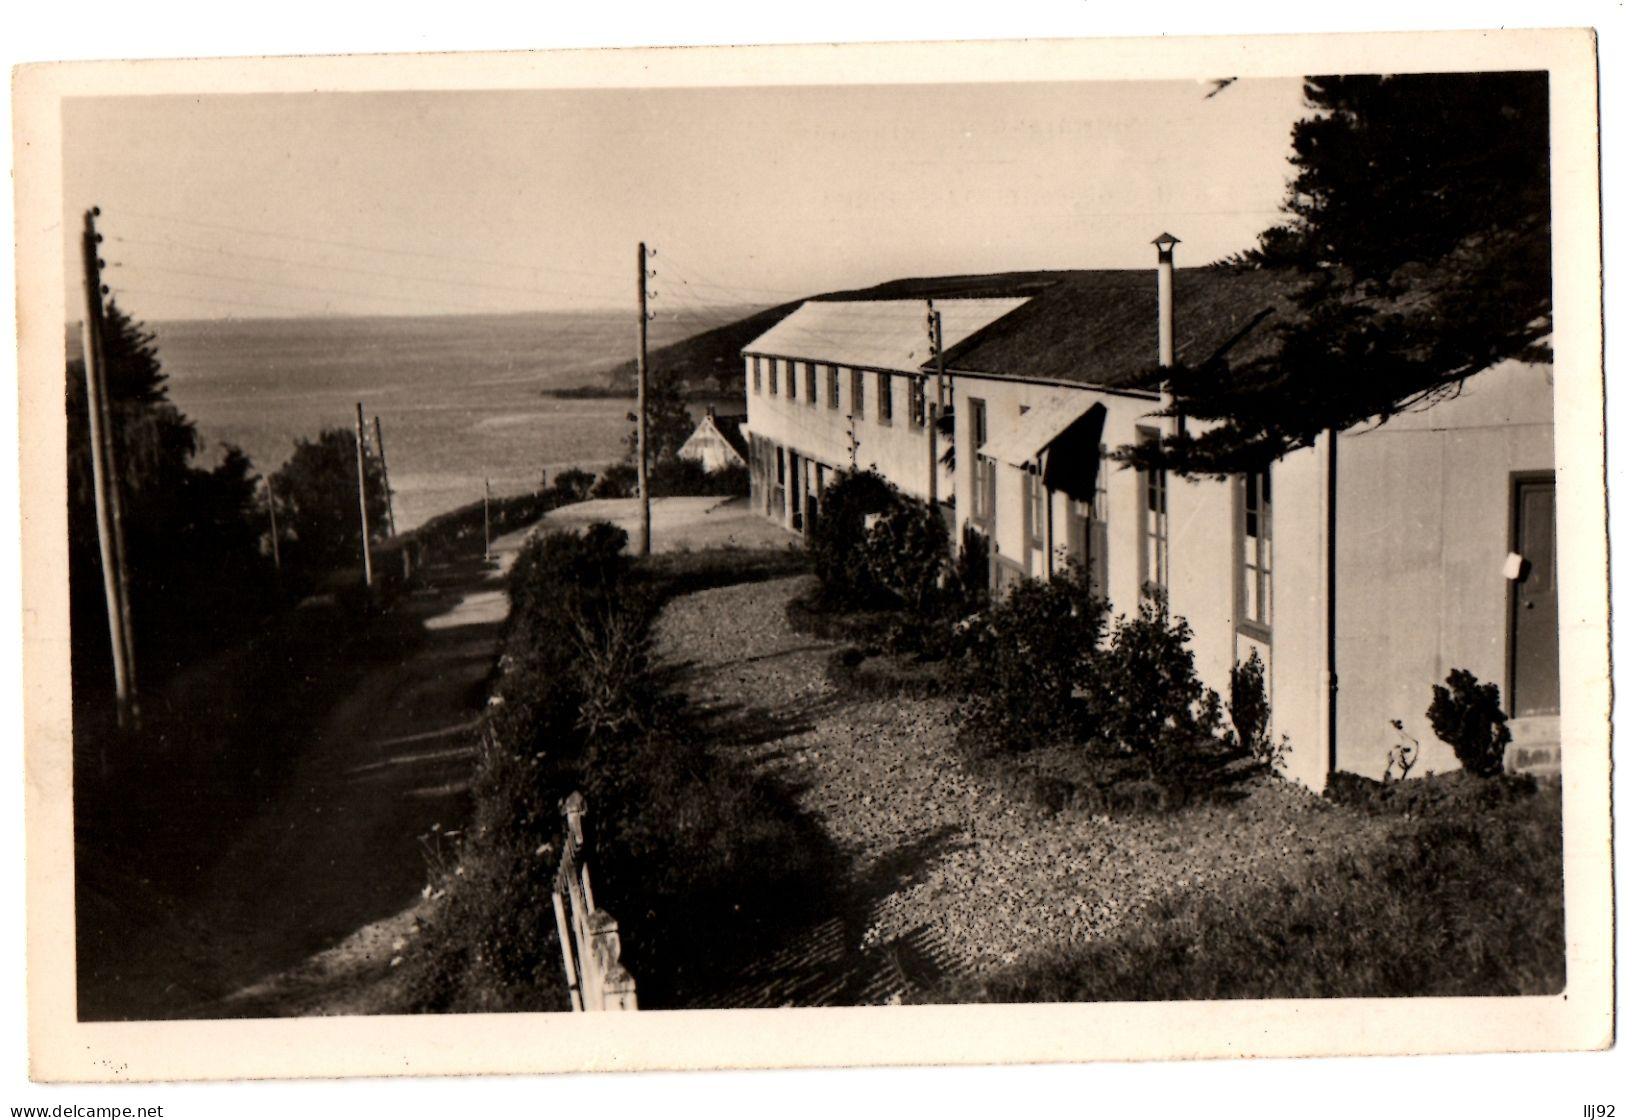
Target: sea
{"x":461,"y":398}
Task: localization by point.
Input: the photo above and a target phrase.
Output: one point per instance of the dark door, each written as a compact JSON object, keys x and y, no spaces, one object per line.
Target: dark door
{"x":1534,"y":598}
{"x":795,"y":490}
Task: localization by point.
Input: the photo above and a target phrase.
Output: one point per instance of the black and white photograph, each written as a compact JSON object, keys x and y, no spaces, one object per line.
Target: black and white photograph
{"x":907,"y":554}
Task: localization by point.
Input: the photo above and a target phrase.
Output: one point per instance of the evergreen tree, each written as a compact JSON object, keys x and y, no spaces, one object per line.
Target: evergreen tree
{"x":318,"y":510}
{"x":192,"y":535}
{"x":1420,"y":223}
{"x":670,"y":424}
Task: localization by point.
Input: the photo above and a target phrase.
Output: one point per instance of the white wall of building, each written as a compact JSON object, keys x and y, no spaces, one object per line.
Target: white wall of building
{"x":1005,"y":398}
{"x":1422,"y":507}
{"x":1423,"y":522}
{"x":1423,"y":504}
{"x":897,"y":449}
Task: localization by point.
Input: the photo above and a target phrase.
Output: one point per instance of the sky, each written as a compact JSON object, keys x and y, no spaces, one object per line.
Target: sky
{"x":453,"y":202}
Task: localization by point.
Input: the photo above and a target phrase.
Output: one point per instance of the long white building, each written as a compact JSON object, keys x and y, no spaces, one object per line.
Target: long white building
{"x":1362,"y":569}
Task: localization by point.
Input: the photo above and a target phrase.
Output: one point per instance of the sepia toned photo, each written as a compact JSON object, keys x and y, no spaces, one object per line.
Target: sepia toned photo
{"x":868,"y":566}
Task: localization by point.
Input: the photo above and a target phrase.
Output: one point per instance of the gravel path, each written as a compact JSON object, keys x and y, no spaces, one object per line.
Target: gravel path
{"x":950,"y":876}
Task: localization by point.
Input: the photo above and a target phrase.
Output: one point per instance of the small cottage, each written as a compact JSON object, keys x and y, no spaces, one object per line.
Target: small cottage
{"x":716,"y":443}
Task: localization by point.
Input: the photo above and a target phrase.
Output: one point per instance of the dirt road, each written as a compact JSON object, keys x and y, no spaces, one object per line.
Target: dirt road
{"x":335,"y":848}
{"x":315,"y":887}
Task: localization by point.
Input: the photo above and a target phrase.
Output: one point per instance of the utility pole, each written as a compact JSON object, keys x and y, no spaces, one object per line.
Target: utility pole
{"x":931,"y":454}
{"x":361,"y":490}
{"x":276,"y":543}
{"x":488,"y":519}
{"x":104,"y":473}
{"x":383,"y":466}
{"x":643,"y":397}
{"x":933,"y":326}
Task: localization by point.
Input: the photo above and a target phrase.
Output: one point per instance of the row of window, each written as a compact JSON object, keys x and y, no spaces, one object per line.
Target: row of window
{"x":1086,"y":523}
{"x":806,"y":380}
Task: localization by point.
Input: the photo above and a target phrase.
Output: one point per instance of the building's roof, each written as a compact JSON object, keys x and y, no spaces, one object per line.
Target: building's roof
{"x":709,"y":442}
{"x":1100,"y":327}
{"x":876,"y":334}
{"x":729,"y":428}
{"x":1097,"y":327}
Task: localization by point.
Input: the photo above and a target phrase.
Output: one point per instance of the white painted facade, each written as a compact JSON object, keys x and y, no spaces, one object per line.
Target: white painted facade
{"x":1422,"y":531}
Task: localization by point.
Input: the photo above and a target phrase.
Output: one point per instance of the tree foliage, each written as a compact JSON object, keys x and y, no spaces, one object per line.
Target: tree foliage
{"x":852,"y":502}
{"x":192,"y":531}
{"x":1420,"y":222}
{"x":318,"y":510}
{"x":670,"y":424}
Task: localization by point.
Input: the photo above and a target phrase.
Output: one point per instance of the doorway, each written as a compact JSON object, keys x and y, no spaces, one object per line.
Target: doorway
{"x":1533,"y":608}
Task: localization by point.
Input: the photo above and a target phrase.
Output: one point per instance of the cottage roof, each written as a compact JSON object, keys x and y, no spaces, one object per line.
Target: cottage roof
{"x":730,"y":427}
{"x":886,"y":334}
{"x":715,"y":441}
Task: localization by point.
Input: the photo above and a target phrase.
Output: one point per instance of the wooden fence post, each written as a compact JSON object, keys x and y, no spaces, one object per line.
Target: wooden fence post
{"x":589,"y":938}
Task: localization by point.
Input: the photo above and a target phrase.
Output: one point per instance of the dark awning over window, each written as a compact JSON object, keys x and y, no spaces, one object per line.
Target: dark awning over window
{"x":1061,"y":437}
{"x":1071,"y":463}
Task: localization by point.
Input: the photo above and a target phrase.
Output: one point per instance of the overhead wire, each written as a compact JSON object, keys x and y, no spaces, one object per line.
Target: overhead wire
{"x":411,"y":276}
{"x":305,"y":239}
{"x":118,"y":289}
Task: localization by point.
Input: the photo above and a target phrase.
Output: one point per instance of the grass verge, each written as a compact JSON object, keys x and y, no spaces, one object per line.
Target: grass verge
{"x":1460,"y":903}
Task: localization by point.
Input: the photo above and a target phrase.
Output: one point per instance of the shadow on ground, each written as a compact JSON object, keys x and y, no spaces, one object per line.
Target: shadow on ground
{"x":280,"y":800}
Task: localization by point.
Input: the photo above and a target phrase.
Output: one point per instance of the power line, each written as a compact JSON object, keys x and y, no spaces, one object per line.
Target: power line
{"x":417,"y":277}
{"x":390,"y":297}
{"x":122,"y":289}
{"x":283,"y":236}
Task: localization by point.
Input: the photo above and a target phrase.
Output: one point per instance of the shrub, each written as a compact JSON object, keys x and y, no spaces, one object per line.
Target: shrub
{"x":836,"y":542}
{"x":1128,"y":715}
{"x":689,"y":478}
{"x":574,"y":484}
{"x":1145,"y":686}
{"x":874,"y":548}
{"x":1024,"y":660}
{"x":906,"y":553}
{"x":618,"y":481}
{"x":972,"y":568}
{"x":1468,"y":716}
{"x":1249,"y":710}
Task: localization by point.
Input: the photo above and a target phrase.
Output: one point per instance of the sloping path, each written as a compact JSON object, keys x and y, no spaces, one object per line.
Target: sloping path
{"x":320,"y":888}
{"x":947,"y":875}
{"x":337,"y":848}
{"x":387,"y":784}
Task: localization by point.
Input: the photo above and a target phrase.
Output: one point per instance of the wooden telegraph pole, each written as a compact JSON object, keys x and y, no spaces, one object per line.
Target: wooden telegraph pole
{"x":276,"y":543}
{"x":933,"y":326}
{"x":361,"y":491}
{"x":488,"y":519}
{"x":643,"y":397}
{"x":383,"y":467}
{"x":104,"y":473}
